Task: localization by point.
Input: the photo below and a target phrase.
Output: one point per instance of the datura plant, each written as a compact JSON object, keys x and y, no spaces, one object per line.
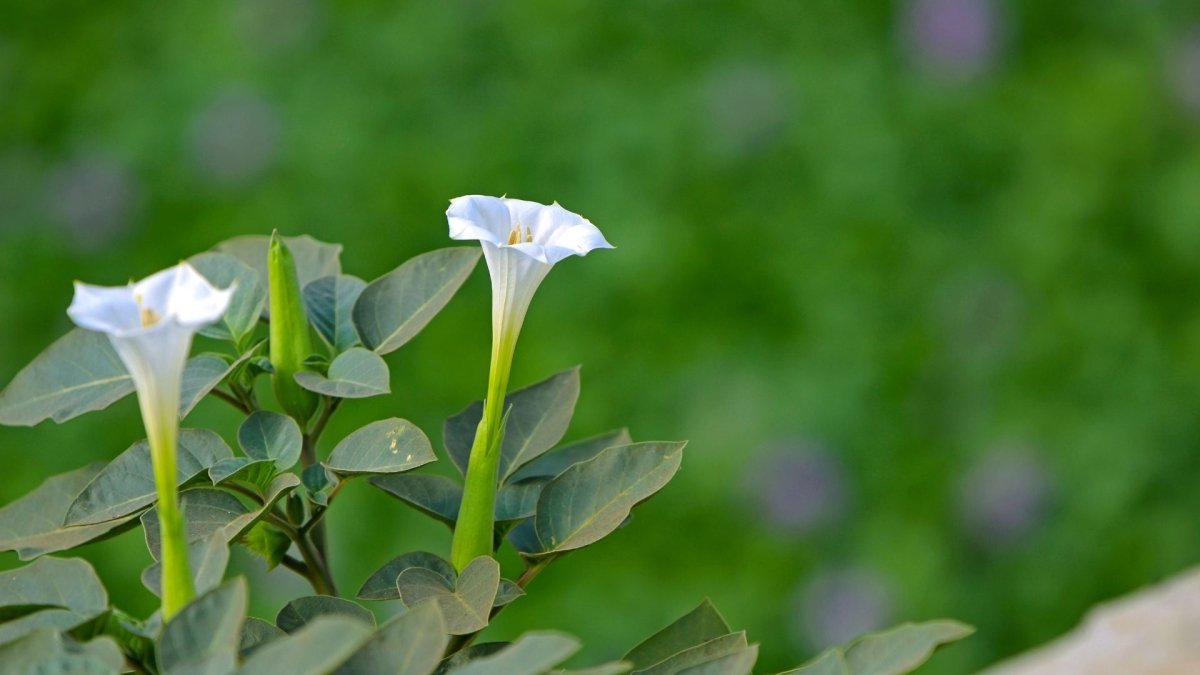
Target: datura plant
{"x":281,"y":309}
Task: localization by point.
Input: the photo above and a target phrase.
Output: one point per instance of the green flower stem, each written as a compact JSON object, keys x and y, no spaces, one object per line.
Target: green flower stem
{"x":162,"y":430}
{"x":473,"y":531}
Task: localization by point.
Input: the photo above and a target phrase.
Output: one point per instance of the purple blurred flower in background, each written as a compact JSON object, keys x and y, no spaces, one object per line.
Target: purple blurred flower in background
{"x":1004,"y":496}
{"x":94,"y":197}
{"x":797,"y":487}
{"x":840,"y":604}
{"x":235,"y":138}
{"x":953,"y":40}
{"x":745,"y":109}
{"x":276,"y":25}
{"x":1185,"y":72}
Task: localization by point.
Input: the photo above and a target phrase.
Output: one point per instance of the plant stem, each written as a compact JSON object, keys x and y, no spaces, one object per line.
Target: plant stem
{"x":314,"y":531}
{"x":231,"y":400}
{"x":473,"y":533}
{"x":162,"y":431}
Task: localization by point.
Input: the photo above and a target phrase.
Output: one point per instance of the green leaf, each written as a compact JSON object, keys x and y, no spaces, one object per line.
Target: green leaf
{"x":33,"y":525}
{"x":314,"y":259}
{"x":537,"y":418}
{"x":205,"y":511}
{"x":301,"y":611}
{"x":508,"y":592}
{"x":45,"y":651}
{"x":207,"y":560}
{"x":519,"y":501}
{"x":395,"y":307}
{"x":330,"y":304}
{"x":319,"y":484}
{"x":246,"y":306}
{"x":410,"y":644}
{"x":254,"y":472}
{"x":440,"y":497}
{"x":203,"y":373}
{"x":435,"y":496}
{"x":79,"y":373}
{"x":903,"y":648}
{"x":532,"y":654}
{"x":386,"y":446}
{"x":895,"y":651}
{"x":591,"y":499}
{"x":614,"y":668}
{"x":208,"y":511}
{"x":202,"y":639}
{"x":702,"y":653}
{"x":316,"y":649}
{"x":554,"y":462}
{"x":740,"y":662}
{"x":382,"y":583}
{"x":698,"y":626}
{"x":256,"y":633}
{"x":270,"y":435}
{"x":126,"y":485}
{"x":466,"y":602}
{"x":70,"y":583}
{"x":268,"y":543}
{"x":830,"y":662}
{"x":356,"y":373}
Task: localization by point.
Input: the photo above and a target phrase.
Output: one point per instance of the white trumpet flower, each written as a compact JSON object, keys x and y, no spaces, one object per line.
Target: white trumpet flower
{"x":521,"y":241}
{"x":150,"y":324}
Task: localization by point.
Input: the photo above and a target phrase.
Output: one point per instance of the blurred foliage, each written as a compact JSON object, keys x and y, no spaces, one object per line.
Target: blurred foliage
{"x":910,"y":242}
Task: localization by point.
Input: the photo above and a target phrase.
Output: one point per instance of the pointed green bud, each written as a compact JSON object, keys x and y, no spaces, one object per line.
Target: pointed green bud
{"x":291,"y":341}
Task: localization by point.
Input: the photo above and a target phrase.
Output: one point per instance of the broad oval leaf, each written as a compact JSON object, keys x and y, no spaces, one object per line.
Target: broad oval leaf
{"x":903,"y":648}
{"x":466,"y":603}
{"x":356,"y":373}
{"x":33,"y":524}
{"x":440,"y":497}
{"x":700,"y":654}
{"x":256,"y":633}
{"x":387,"y":446}
{"x":249,"y":296}
{"x":203,"y":373}
{"x":395,"y":307}
{"x":698,"y":626}
{"x":270,"y":435}
{"x":79,"y":373}
{"x":127,"y":486}
{"x":410,"y":644}
{"x":533,"y":653}
{"x":554,"y":462}
{"x":207,"y":560}
{"x":301,"y":611}
{"x":538,"y":416}
{"x":316,"y":649}
{"x":255,"y":472}
{"x":740,"y":662}
{"x":330,"y":304}
{"x":382,"y":583}
{"x":591,"y":499}
{"x":436,"y":496}
{"x":205,"y":512}
{"x":69,"y":583}
{"x":203,"y":637}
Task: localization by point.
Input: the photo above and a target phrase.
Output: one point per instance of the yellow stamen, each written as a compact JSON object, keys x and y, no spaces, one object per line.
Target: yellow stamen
{"x":149,"y":316}
{"x":528,"y":236}
{"x":514,"y":236}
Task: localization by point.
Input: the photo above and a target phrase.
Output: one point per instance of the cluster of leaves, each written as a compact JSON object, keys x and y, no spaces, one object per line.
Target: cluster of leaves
{"x":272,"y":497}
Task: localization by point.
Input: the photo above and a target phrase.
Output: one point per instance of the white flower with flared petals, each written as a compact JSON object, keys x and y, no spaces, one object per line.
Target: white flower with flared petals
{"x":150,"y":324}
{"x":521,"y":241}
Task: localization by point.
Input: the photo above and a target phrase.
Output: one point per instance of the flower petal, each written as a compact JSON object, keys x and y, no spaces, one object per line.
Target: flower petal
{"x":105,"y":309}
{"x":479,"y":217}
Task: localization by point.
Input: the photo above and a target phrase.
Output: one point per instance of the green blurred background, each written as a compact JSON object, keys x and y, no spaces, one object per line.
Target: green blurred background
{"x":916,"y":278}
